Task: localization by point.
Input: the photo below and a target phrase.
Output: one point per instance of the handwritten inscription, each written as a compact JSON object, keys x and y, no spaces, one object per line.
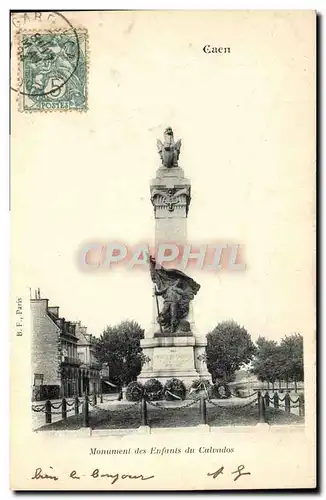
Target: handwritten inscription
{"x":238,"y":472}
{"x":95,"y":474}
{"x":39,"y":474}
{"x":114,"y":477}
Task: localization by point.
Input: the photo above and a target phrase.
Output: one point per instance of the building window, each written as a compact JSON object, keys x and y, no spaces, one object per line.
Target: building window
{"x":38,"y":379}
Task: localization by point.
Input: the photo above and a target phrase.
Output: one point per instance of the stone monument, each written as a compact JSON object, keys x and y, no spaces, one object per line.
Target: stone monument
{"x":172,"y":346}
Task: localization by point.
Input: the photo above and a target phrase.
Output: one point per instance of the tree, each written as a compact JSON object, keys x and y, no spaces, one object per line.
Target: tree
{"x":279,"y":361}
{"x":269,"y":361}
{"x":228,"y":347}
{"x":119,"y":346}
{"x":292,"y":352}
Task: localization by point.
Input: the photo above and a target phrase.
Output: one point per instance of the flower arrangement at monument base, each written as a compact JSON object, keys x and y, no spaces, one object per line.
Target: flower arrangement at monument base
{"x":200,"y":387}
{"x":221,"y":390}
{"x":174,"y":390}
{"x":153,"y":389}
{"x":134,"y":391}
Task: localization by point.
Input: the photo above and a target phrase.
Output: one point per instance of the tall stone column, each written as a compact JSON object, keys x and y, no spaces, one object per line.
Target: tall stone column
{"x":170,"y":197}
{"x":173,"y":350}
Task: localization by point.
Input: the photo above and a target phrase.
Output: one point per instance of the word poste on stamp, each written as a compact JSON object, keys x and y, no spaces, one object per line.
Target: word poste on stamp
{"x":53,"y":69}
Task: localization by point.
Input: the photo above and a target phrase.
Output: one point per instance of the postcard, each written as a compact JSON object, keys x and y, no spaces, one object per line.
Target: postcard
{"x":163,"y":323}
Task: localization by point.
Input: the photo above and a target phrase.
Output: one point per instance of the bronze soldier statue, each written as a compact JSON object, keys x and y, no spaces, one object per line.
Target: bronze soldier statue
{"x":177,"y":290}
{"x":172,"y":295}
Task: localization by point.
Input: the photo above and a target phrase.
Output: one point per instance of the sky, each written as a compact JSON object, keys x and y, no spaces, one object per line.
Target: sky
{"x":246,"y":120}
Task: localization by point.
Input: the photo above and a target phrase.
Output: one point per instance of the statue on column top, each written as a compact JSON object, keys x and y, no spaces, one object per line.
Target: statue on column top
{"x":169,"y":150}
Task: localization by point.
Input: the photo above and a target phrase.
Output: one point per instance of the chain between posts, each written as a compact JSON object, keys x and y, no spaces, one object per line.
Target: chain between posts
{"x":56,"y":407}
{"x":50,"y":408}
{"x":289,"y":403}
{"x":60,"y":413}
{"x":261,"y":400}
{"x":38,"y":409}
{"x":271,"y":399}
{"x":292,"y":406}
{"x":156,"y":405}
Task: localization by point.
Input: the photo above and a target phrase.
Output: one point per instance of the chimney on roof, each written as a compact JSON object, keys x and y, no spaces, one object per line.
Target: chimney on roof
{"x":54,"y":310}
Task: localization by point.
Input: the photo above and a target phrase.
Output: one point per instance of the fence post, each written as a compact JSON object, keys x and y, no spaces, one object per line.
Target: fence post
{"x":266,"y":398}
{"x":85,"y":412}
{"x":64,"y":409}
{"x":95,"y":398}
{"x":261,"y":406}
{"x":101,"y":396}
{"x":48,"y":416}
{"x":143,"y":408}
{"x":76,"y":405}
{"x":203,"y":413}
{"x":276,"y":400}
{"x":287,"y":403}
{"x":301,"y":405}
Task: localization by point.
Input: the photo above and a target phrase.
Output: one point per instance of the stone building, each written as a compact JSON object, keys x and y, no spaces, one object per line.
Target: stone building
{"x":46,"y":356}
{"x":63,"y":361}
{"x":90,"y":368}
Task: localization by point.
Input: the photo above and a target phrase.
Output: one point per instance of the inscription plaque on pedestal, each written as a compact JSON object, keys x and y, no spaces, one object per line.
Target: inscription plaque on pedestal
{"x":173,"y":358}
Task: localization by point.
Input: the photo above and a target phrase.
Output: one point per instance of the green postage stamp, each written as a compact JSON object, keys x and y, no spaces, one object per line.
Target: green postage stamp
{"x":53,"y":71}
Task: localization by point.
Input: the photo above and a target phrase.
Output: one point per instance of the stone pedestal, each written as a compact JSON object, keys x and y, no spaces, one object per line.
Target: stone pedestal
{"x":174,"y":357}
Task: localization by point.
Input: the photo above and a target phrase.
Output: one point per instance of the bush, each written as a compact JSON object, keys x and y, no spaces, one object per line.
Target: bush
{"x":174,"y":387}
{"x":134,"y":391}
{"x":221,"y":390}
{"x":153,"y":389}
{"x":199,"y":385}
